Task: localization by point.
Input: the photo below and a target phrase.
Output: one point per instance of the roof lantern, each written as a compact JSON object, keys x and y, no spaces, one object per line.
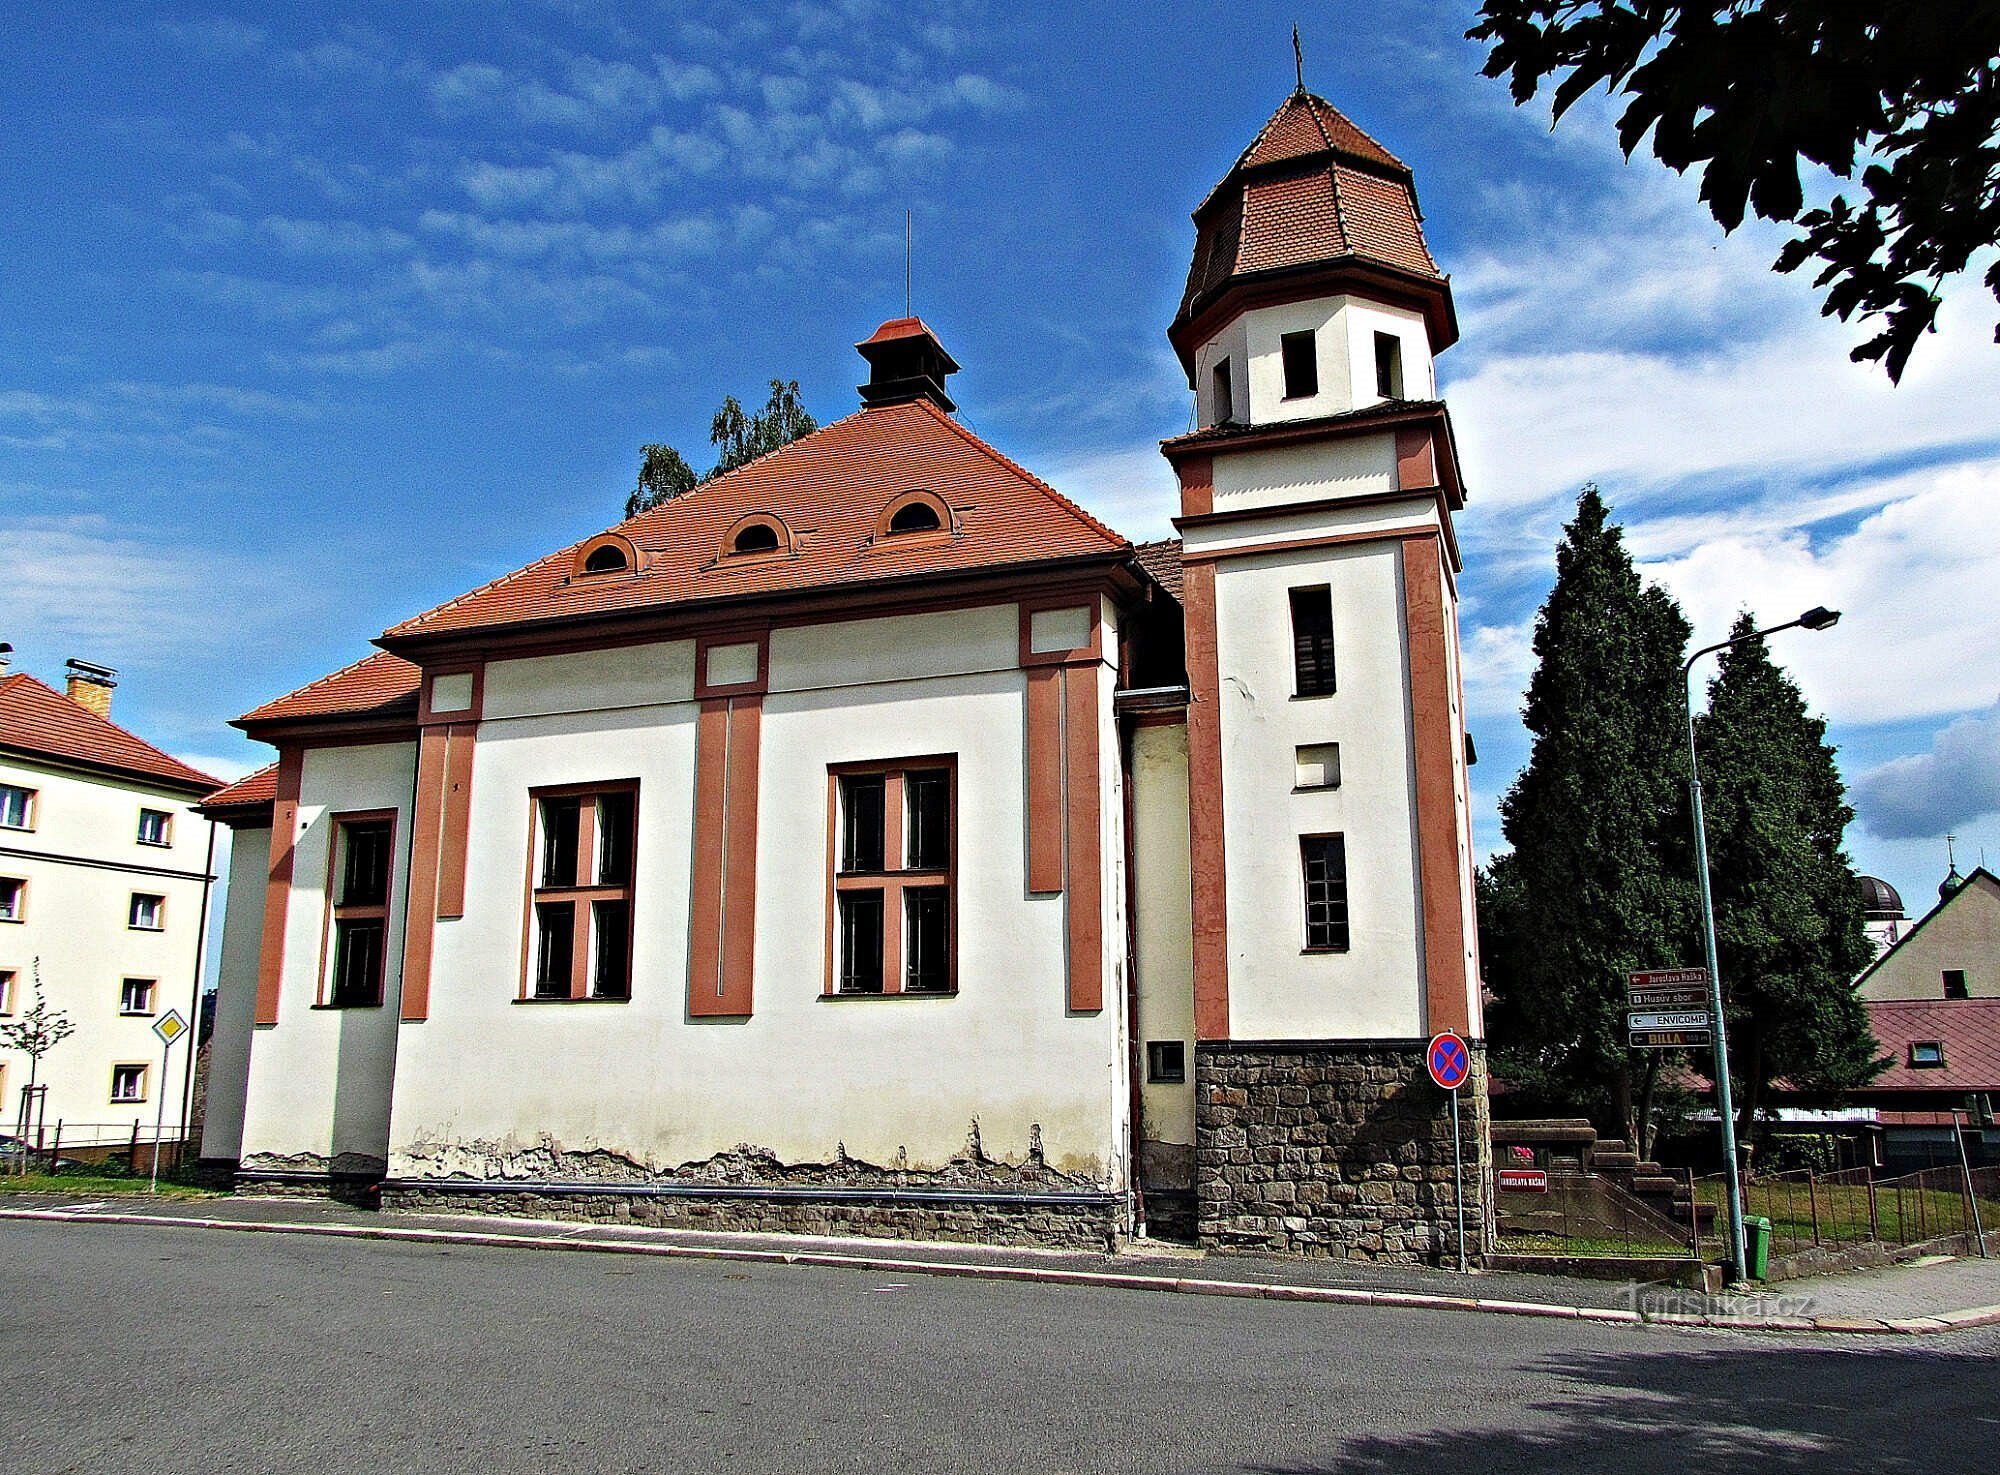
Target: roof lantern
{"x":1880,"y":901}
{"x":906,"y":362}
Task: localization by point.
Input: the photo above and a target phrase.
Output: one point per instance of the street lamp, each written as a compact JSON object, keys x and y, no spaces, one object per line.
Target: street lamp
{"x":1819,"y":617}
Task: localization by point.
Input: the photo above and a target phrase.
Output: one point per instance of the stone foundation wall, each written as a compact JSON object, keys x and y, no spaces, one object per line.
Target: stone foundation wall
{"x":1091,"y":1223}
{"x":1339,"y":1151}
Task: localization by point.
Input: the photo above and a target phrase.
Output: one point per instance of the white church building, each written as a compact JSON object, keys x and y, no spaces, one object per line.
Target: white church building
{"x":872,"y":841}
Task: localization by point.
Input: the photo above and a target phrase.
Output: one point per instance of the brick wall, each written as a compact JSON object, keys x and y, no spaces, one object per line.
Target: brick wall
{"x":1340,"y":1151}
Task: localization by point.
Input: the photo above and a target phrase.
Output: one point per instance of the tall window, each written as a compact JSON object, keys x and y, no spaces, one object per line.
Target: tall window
{"x":1323,"y":862}
{"x":364,"y":845}
{"x":1388,"y":366}
{"x":1222,"y":394}
{"x":135,"y":996}
{"x":156,"y":827}
{"x":13,"y":899}
{"x":582,"y":882}
{"x":148,"y":913}
{"x":1312,"y":641}
{"x":128,"y":1083}
{"x":894,"y":864}
{"x":1954,"y":984}
{"x":17,"y":807}
{"x":1300,"y":352}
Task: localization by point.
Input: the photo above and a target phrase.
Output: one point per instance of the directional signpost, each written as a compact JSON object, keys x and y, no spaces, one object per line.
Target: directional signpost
{"x":1449,"y":1061}
{"x":169,"y":1027}
{"x":1667,"y":1009}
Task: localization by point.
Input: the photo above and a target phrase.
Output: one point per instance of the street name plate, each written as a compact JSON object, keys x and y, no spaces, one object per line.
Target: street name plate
{"x":1683,"y":1019}
{"x":1522,"y":1180}
{"x":1669,"y":978}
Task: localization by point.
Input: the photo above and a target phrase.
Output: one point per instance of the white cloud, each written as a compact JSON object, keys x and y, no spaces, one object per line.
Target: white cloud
{"x":1928,"y":794}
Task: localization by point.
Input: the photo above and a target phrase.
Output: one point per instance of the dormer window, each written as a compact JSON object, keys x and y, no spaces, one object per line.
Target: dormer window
{"x":610,"y":559}
{"x":605,"y":555}
{"x":757,"y":536}
{"x":914,"y":517}
{"x":916,"y":514}
{"x":1926,"y":1055}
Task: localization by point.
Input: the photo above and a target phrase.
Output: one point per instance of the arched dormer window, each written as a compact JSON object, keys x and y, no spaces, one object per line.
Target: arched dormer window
{"x":757,"y":536}
{"x":605,"y":554}
{"x":915,"y":514}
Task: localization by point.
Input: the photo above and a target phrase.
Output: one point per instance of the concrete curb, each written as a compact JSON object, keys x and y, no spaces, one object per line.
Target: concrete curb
{"x":1950,"y":1321}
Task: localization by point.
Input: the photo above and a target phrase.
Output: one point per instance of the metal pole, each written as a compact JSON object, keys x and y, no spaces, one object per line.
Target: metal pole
{"x":160,"y":1116}
{"x":1971,"y":1197}
{"x":1724,"y":1106}
{"x":1458,"y":1179}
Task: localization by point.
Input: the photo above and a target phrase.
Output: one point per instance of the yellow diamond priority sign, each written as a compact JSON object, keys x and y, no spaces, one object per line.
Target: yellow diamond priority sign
{"x":170,"y":1026}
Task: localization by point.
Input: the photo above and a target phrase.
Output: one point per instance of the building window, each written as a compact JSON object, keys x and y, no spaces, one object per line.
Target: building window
{"x":1166,"y":1062}
{"x":148,"y":913}
{"x":156,"y":827}
{"x":17,"y":807}
{"x":1312,"y":642}
{"x":128,"y":1084}
{"x":135,"y":996}
{"x":894,"y":879}
{"x":13,"y":899}
{"x":915,"y":517}
{"x":759,"y":537}
{"x":1222,"y":394}
{"x":6,"y":991}
{"x":582,"y":883}
{"x":610,"y":559}
{"x":1316,"y":766}
{"x":363,"y":850}
{"x":1323,"y":861}
{"x":1954,"y":984}
{"x":1301,"y":358}
{"x":1926,"y":1055}
{"x":1388,"y":366}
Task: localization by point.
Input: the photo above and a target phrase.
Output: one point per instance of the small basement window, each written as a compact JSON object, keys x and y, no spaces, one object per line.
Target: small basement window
{"x":1166,"y":1062}
{"x":610,"y":559}
{"x":1301,"y":357}
{"x":1926,"y":1055}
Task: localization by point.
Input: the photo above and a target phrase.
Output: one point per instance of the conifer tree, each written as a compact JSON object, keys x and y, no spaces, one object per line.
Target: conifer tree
{"x":1599,"y":882}
{"x":1788,"y":916}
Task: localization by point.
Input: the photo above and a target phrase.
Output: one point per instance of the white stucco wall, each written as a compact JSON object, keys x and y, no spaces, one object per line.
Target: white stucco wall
{"x":319,"y":1080}
{"x":1344,"y":330}
{"x":886,"y":1079}
{"x":1276,"y":990}
{"x":83,"y":861}
{"x":242,"y":923}
{"x":1164,"y":923}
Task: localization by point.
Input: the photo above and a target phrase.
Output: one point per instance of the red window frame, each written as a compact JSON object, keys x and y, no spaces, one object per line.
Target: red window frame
{"x":895,"y":880}
{"x":583,"y":891}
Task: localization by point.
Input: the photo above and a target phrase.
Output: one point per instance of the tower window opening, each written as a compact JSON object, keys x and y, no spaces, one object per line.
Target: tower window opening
{"x":1388,"y":366}
{"x":1221,"y":399}
{"x":1312,"y":642}
{"x":1301,"y":356}
{"x":759,"y":537}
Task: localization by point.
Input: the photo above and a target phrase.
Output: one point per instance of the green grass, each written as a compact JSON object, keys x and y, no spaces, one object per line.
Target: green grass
{"x":1911,"y":1218}
{"x":1617,"y":1248}
{"x":94,"y":1185}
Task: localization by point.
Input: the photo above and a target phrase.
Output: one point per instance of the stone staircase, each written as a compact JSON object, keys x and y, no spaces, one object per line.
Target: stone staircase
{"x":1572,"y":1144}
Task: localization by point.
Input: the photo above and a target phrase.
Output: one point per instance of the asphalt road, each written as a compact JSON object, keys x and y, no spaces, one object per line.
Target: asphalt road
{"x":141,"y":1350}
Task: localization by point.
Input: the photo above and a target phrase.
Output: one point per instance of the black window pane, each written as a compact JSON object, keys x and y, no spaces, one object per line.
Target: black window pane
{"x":927,"y":816}
{"x":1301,"y":365}
{"x":611,"y":977}
{"x":1954,"y":983}
{"x":861,"y":942}
{"x":1166,"y":1062}
{"x":1312,"y":641}
{"x":364,"y":876}
{"x":927,"y":939}
{"x":1225,"y":398}
{"x":614,"y":839}
{"x":559,"y":826}
{"x":357,"y":962}
{"x":861,"y":822}
{"x":555,"y":948}
{"x":1388,"y":366}
{"x":1324,"y":860}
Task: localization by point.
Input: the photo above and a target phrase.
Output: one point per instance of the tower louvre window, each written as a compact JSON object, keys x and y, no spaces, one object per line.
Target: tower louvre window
{"x":1221,"y":398}
{"x":1301,"y":356}
{"x":1312,"y":642}
{"x":1388,"y":366}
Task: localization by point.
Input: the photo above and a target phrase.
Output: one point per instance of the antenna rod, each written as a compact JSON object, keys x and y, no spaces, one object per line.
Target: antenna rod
{"x":906,"y":263}
{"x":1298,"y":56}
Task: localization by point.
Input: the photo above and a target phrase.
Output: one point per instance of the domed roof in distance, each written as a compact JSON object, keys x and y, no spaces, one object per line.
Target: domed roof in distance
{"x":1878,"y":898}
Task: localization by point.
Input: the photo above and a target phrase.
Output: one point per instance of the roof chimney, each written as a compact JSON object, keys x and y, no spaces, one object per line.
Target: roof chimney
{"x":906,"y":362}
{"x":90,"y":686}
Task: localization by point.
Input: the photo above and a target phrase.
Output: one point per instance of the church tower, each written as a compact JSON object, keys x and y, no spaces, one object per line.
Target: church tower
{"x":1328,"y":806}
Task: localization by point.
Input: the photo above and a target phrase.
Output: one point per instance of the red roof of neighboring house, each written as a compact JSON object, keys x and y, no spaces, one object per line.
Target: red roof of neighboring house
{"x":830,"y":489}
{"x":1968,"y":1029}
{"x":1163,"y":561}
{"x":253,"y":791}
{"x":40,"y":722}
{"x":380,"y":685}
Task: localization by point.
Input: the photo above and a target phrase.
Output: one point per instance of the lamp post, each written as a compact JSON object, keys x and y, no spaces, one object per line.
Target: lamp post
{"x":1816,"y":618}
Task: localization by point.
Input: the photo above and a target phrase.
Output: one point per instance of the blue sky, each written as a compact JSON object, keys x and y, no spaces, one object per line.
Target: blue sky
{"x":312,"y":317}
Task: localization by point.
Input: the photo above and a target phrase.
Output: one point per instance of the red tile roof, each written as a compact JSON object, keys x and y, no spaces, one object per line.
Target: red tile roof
{"x":830,"y":489}
{"x":40,"y":722}
{"x":896,"y":329}
{"x":252,"y":791}
{"x":1163,"y":561}
{"x":380,"y":685}
{"x":1307,"y":125}
{"x":1968,"y":1029}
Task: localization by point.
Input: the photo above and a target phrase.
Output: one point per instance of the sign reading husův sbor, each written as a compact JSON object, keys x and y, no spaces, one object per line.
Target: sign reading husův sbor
{"x":1667,"y":1009}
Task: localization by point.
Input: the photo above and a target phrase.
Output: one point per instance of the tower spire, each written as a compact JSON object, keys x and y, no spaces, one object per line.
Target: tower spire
{"x":1298,"y":58}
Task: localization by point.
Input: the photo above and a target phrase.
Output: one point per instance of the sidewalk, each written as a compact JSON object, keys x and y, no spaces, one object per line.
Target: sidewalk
{"x":1912,"y":1299}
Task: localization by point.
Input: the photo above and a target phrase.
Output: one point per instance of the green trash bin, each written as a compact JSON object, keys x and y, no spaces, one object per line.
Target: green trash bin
{"x":1757,"y":1246}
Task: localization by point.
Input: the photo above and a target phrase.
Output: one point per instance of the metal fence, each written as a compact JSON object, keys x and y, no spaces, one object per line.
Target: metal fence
{"x":1841,"y":1210}
{"x":1583,"y":1214}
{"x":62,"y":1146}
